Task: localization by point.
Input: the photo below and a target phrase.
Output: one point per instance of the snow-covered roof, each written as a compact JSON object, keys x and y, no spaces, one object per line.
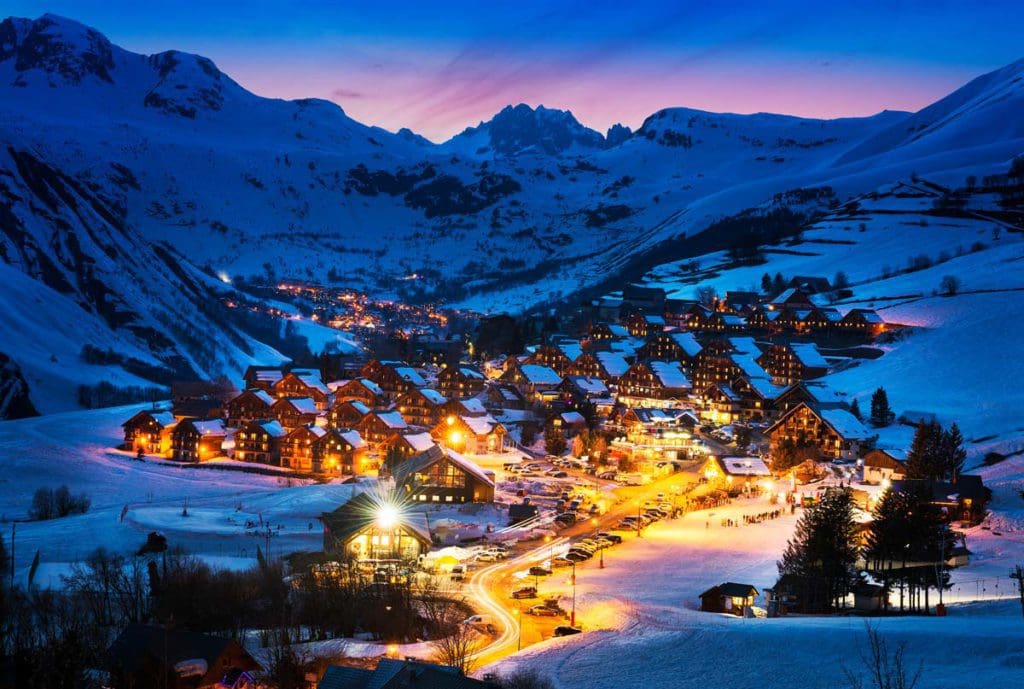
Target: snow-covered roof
{"x":573,"y":417}
{"x":540,"y":375}
{"x":670,"y":374}
{"x":371,"y":386}
{"x":745,"y":345}
{"x":470,"y":372}
{"x":473,"y":406}
{"x":688,"y":343}
{"x":312,"y":379}
{"x":748,"y":365}
{"x":614,"y":363}
{"x":410,"y":375}
{"x":273,"y":428}
{"x":480,"y":425}
{"x":821,"y":392}
{"x":654,"y":320}
{"x":271,"y":375}
{"x":469,"y":466}
{"x":263,"y":396}
{"x":210,"y":427}
{"x":358,"y":405}
{"x":786,"y":294}
{"x":353,"y":438}
{"x":433,"y":396}
{"x":764,"y":387}
{"x":807,"y":354}
{"x":571,"y":349}
{"x":728,"y":391}
{"x":420,"y":442}
{"x":733,"y":320}
{"x":743,"y":466}
{"x":590,"y":386}
{"x":845,"y":424}
{"x":392,"y":419}
{"x":303,"y":405}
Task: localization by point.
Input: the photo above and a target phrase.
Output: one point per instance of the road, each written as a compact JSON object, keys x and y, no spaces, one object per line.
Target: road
{"x":489,"y":587}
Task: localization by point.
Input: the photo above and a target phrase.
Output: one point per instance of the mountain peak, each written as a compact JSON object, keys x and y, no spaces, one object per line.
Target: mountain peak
{"x":62,"y":48}
{"x":521,"y":128}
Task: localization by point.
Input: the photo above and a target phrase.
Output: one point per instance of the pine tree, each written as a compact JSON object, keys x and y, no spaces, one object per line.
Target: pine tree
{"x":824,"y":545}
{"x":889,"y":533}
{"x":554,"y":441}
{"x":881,"y":414}
{"x":855,"y":409}
{"x":952,"y":452}
{"x":778,"y":284}
{"x":924,"y":460}
{"x":766,"y":283}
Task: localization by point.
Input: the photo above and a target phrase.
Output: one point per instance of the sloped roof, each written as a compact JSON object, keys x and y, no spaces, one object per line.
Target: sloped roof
{"x":432,"y":455}
{"x":470,"y":372}
{"x":303,"y":405}
{"x":687,"y":342}
{"x":744,"y":345}
{"x":480,"y":425}
{"x":589,"y":386}
{"x":361,"y":511}
{"x":210,"y":427}
{"x":732,"y":590}
{"x":420,"y":442}
{"x":140,"y":644}
{"x":807,"y":354}
{"x":351,"y":437}
{"x":748,"y":365}
{"x":614,"y":363}
{"x":273,"y":428}
{"x":433,"y":396}
{"x":411,"y":375}
{"x":764,"y":387}
{"x":392,"y":419}
{"x":743,"y":466}
{"x":845,"y":424}
{"x":573,"y":417}
{"x":670,"y":374}
{"x":540,"y":375}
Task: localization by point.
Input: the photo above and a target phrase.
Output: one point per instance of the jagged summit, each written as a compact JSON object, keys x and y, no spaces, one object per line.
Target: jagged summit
{"x":66,"y":50}
{"x":520,"y":128}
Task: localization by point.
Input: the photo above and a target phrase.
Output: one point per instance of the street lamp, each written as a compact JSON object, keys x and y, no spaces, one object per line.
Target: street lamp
{"x":601,"y":551}
{"x":639,"y":505}
{"x":572,"y":617}
{"x":519,"y":624}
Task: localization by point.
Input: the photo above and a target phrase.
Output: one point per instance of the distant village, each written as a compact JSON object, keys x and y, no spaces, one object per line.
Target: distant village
{"x":648,"y":383}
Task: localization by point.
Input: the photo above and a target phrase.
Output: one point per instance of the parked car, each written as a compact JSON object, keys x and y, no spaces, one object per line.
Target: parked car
{"x":543,"y":611}
{"x":566,"y":518}
{"x":566,"y":630}
{"x":577,"y":556}
{"x":487,"y":557}
{"x":538,"y":571}
{"x":561,"y":561}
{"x":525,"y":592}
{"x":607,"y":475}
{"x":479,"y":621}
{"x":458,"y":572}
{"x":558,"y":474}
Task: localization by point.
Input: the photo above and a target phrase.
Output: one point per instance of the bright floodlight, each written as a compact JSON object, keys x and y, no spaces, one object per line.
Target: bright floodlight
{"x":387,"y":516}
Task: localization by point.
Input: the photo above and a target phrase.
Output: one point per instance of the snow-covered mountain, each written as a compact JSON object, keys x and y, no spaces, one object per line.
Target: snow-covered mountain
{"x":127,"y":180}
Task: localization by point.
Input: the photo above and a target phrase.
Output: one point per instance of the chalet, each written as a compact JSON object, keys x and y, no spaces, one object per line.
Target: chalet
{"x":570,"y":423}
{"x":725,"y":361}
{"x":262,"y":377}
{"x":721,"y":322}
{"x":297,"y":447}
{"x":863,"y":321}
{"x":729,"y":597}
{"x":722,"y":404}
{"x":736,"y":301}
{"x":196,"y":441}
{"x":695,"y":316}
{"x":460,"y":381}
{"x":337,"y":453}
{"x":471,"y":434}
{"x":761,"y":319}
{"x":503,"y":396}
{"x":608,"y":366}
{"x":399,"y":674}
{"x":371,"y":528}
{"x":811,"y":321}
{"x":550,"y":356}
{"x":791,"y":298}
{"x":581,"y":389}
{"x":249,"y":405}
{"x":421,"y":407}
{"x":961,"y":500}
{"x":347,"y":414}
{"x":835,"y":432}
{"x":150,"y":656}
{"x":758,"y":397}
{"x":646,"y":299}
{"x":790,"y":363}
{"x":815,"y":394}
{"x":675,"y":311}
{"x":467,"y":407}
{"x":397,"y":378}
{"x":361,"y":389}
{"x":605,"y":332}
{"x":292,"y":412}
{"x":378,"y":426}
{"x":810,"y":284}
{"x":408,"y":444}
{"x":443,"y":475}
{"x":881,"y":466}
{"x":653,"y":380}
{"x":734,"y":471}
{"x":537,"y":383}
{"x":374,"y":366}
{"x":647,"y":420}
{"x":644,"y":324}
{"x":260,"y":442}
{"x":682,"y":347}
{"x":303,"y":384}
{"x":149,"y":431}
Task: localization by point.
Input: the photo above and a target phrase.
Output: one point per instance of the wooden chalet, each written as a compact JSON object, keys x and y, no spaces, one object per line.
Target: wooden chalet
{"x":791,"y":298}
{"x":722,"y":322}
{"x":536,"y":383}
{"x":835,"y":432}
{"x":734,"y":471}
{"x":758,"y":398}
{"x":149,"y":431}
{"x":262,"y":377}
{"x":372,"y":528}
{"x":408,"y":444}
{"x":249,"y":405}
{"x":337,"y":453}
{"x":378,"y":426}
{"x":457,"y":382}
{"x":297,"y":447}
{"x":570,"y":423}
{"x":645,"y":325}
{"x":681,"y":346}
{"x":467,"y":407}
{"x":814,"y":393}
{"x":395,"y":378}
{"x":884,"y":465}
{"x":361,"y":389}
{"x":863,"y":321}
{"x":305,"y":384}
{"x":963,"y":499}
{"x":606,"y":332}
{"x":728,"y":597}
{"x":443,"y":475}
{"x":260,"y":442}
{"x":721,"y":404}
{"x":790,"y":363}
{"x":471,"y":434}
{"x":810,"y":284}
{"x":763,"y":319}
{"x":347,"y":413}
{"x":503,"y":396}
{"x":676,"y":310}
{"x":653,"y":380}
{"x":151,"y":656}
{"x":421,"y":406}
{"x":726,"y":361}
{"x":608,"y":366}
{"x":292,"y":412}
{"x":197,"y":441}
{"x":581,"y":389}
{"x":550,"y":356}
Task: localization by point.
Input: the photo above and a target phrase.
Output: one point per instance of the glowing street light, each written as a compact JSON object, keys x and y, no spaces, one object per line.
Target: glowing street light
{"x":387,"y":517}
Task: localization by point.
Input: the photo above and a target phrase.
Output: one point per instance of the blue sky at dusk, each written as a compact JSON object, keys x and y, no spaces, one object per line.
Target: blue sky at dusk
{"x":438,"y":68}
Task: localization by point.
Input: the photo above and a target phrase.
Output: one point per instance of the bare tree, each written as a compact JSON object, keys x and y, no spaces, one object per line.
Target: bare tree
{"x":706,"y":295}
{"x":527,"y":678}
{"x":458,"y":648}
{"x":950,"y":285}
{"x":885,"y":668}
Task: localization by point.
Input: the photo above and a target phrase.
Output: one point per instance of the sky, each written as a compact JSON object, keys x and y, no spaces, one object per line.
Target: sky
{"x":438,"y":67}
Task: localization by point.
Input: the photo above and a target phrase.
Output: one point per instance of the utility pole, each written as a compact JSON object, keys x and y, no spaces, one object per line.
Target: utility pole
{"x":14,"y":529}
{"x":572,"y":617}
{"x":1018,"y":574}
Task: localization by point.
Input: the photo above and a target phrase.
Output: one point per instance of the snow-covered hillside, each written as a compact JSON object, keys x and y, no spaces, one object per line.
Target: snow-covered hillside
{"x":118,"y":169}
